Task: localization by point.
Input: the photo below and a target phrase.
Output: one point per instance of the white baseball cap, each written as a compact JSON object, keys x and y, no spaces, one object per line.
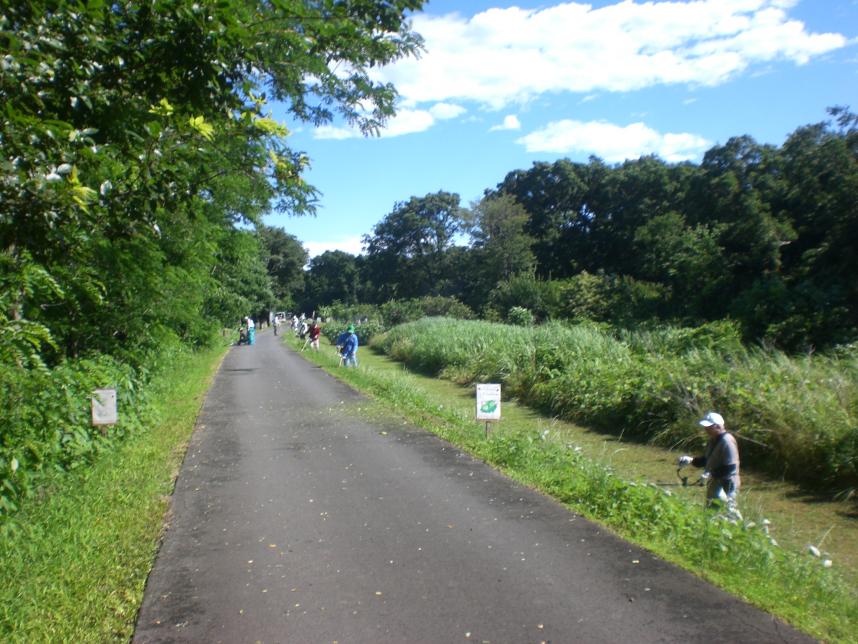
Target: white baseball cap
{"x":712,"y":418}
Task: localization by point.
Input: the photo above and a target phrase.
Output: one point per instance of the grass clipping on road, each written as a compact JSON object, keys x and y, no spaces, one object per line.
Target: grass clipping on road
{"x":73,"y":567}
{"x":742,"y":557}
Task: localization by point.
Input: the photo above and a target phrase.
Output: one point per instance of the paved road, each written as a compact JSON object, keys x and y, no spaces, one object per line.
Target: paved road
{"x":295,"y":520}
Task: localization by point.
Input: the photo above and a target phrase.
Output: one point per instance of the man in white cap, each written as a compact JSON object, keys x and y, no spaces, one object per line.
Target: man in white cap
{"x":720,"y":462}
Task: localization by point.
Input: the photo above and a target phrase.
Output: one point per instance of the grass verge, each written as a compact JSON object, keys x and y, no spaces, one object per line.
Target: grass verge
{"x":74,"y":565}
{"x":609,"y":481}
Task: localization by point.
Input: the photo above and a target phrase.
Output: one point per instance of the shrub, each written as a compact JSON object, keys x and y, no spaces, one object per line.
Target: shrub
{"x":519,"y":316}
{"x":396,"y":312}
{"x":48,"y":424}
{"x":448,"y":307}
{"x":541,"y":297}
{"x":350,"y":312}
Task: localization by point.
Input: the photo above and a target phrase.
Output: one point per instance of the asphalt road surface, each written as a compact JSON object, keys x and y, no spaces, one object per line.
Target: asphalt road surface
{"x":295,"y":520}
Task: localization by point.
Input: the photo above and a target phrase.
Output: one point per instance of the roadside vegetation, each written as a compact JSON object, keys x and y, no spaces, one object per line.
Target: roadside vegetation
{"x":629,"y":487}
{"x":795,"y":416}
{"x":74,"y":560}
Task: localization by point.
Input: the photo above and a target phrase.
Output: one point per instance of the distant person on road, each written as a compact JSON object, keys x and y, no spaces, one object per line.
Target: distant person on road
{"x":251,"y":330}
{"x":350,"y":347}
{"x":720,"y":461}
{"x":276,"y":324}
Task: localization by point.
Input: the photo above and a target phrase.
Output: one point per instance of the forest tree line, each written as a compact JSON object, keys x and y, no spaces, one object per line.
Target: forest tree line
{"x":763,"y":235}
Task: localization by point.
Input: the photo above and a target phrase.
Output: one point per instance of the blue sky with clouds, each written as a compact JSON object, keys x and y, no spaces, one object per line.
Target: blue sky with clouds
{"x":502,"y":85}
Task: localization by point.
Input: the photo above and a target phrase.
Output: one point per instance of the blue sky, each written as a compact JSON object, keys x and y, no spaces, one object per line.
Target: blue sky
{"x":502,"y":85}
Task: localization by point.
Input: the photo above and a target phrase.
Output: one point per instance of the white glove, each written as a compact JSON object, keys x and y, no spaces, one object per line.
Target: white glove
{"x":684,"y":460}
{"x":705,"y":476}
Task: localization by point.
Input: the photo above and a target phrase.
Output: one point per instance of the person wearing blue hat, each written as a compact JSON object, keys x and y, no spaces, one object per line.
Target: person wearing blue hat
{"x":720,"y":462}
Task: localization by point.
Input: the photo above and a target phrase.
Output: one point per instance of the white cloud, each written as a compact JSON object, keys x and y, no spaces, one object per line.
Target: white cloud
{"x":613,"y":143}
{"x":443,"y":111}
{"x":506,"y":56}
{"x":406,"y":121}
{"x":510,"y":122}
{"x":350,"y":245}
{"x":336,"y":133}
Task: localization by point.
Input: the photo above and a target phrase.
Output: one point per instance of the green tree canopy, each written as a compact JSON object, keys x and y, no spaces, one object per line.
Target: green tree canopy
{"x":135,"y":136}
{"x":333,"y":276}
{"x":405,"y":253}
{"x":286,"y":261}
{"x":500,"y":247}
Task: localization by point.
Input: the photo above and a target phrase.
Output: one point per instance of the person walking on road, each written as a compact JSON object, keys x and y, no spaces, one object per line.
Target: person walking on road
{"x":720,"y":461}
{"x":251,"y":330}
{"x":350,"y":347}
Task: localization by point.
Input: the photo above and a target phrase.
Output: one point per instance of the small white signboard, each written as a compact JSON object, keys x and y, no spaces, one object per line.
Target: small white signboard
{"x":488,"y":402}
{"x":104,"y":407}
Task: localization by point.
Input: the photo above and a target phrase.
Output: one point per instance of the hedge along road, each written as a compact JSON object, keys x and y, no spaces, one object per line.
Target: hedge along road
{"x":295,"y":520}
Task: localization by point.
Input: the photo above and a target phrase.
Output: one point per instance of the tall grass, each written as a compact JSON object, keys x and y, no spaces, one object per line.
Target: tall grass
{"x":796,"y":417}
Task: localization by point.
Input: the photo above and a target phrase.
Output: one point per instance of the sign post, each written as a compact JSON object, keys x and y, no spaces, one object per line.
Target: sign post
{"x":488,"y":403}
{"x":104,"y":407}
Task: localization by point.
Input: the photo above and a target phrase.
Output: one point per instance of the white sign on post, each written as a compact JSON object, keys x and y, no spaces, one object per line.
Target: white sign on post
{"x":488,"y":402}
{"x":104,"y":407}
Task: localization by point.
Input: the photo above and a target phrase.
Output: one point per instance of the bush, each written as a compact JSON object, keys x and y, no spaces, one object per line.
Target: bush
{"x":365,"y":331}
{"x":449,"y":307}
{"x":350,"y":312}
{"x":396,"y":312}
{"x":48,"y":425}
{"x":541,"y":297}
{"x":519,"y":316}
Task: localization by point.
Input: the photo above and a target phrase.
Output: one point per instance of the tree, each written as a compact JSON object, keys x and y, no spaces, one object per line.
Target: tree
{"x":332,"y":277}
{"x":622,"y":200}
{"x":500,"y":247}
{"x":135,"y":137}
{"x":815,"y":300}
{"x":738,"y":190}
{"x":405,"y":253}
{"x":688,"y":261}
{"x":243,"y":285}
{"x":285,"y":265}
{"x":555,"y":198}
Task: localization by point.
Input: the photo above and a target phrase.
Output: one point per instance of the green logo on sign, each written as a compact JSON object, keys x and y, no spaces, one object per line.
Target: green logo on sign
{"x":489,"y":406}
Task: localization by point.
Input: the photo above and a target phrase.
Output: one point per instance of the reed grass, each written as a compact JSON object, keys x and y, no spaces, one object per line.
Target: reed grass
{"x":795,"y":416}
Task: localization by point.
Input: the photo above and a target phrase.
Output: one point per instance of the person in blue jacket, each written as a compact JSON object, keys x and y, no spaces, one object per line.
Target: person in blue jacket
{"x":350,"y":347}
